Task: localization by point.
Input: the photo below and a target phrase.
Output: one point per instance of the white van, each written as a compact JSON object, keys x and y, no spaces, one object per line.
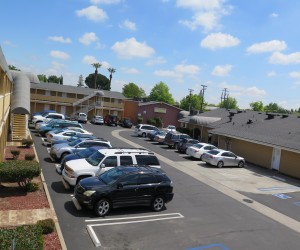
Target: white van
{"x":80,"y":117}
{"x":105,"y":159}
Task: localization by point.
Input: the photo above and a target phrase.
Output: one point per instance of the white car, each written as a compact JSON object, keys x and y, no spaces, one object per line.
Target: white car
{"x":46,"y":117}
{"x":97,"y":119}
{"x":221,"y":158}
{"x":65,"y":134}
{"x":197,"y":150}
{"x":170,"y":128}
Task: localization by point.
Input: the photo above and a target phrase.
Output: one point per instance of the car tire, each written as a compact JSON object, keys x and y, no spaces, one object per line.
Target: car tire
{"x":102,"y":207}
{"x":241,"y":164}
{"x":220,"y":164}
{"x":143,"y":134}
{"x":158,"y":204}
{"x":176,"y":145}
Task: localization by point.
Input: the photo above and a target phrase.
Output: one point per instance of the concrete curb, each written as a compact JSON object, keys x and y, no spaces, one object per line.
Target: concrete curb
{"x":58,"y":230}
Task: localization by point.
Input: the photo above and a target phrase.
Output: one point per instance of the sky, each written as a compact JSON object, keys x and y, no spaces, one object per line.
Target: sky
{"x":250,"y":48}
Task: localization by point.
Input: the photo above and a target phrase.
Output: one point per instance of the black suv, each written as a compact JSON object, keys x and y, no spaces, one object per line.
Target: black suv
{"x":126,"y":123}
{"x":124,"y":186}
{"x":111,"y":120}
{"x":173,"y":138}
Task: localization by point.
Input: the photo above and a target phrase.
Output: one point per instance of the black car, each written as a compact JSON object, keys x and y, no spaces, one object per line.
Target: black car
{"x":126,"y":123}
{"x":124,"y":186}
{"x":111,"y":120}
{"x":185,"y":143}
{"x":173,"y":138}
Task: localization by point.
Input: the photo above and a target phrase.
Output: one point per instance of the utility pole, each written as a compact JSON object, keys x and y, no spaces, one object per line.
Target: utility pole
{"x":202,"y":96}
{"x":191,"y":90}
{"x":224,"y":95}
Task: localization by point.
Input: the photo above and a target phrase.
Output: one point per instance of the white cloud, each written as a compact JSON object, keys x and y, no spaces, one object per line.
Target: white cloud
{"x":167,"y":73}
{"x":9,"y":43}
{"x":158,"y":60}
{"x":200,"y":4}
{"x":209,"y":21}
{"x":59,"y":39}
{"x":280,"y":58}
{"x":129,"y":25}
{"x":130,"y":70}
{"x":269,"y":46}
{"x":295,"y":74}
{"x":59,"y":54}
{"x":274,"y":15}
{"x":219,"y":40}
{"x":222,"y":70}
{"x":254,"y":91}
{"x":88,"y":38}
{"x":187,"y":69}
{"x":271,"y":74}
{"x":132,"y":48}
{"x":89,"y":60}
{"x":92,"y":13}
{"x":104,"y":1}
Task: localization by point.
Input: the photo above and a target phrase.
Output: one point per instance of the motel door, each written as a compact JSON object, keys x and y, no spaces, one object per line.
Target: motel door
{"x":276,"y":158}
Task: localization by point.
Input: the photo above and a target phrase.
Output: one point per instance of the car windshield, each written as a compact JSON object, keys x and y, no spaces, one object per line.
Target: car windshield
{"x":85,"y":153}
{"x":198,"y":145}
{"x":111,"y":176}
{"x":95,"y":158}
{"x":73,"y":143}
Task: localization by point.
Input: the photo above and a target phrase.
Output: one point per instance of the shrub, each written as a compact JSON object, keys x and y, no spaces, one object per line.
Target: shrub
{"x":158,"y":121}
{"x":46,"y":225}
{"x":151,"y":121}
{"x":32,"y":187}
{"x":21,"y":172}
{"x":140,"y":119}
{"x":15,"y":153}
{"x":29,"y":157}
{"x":184,"y":130}
{"x":27,"y":142}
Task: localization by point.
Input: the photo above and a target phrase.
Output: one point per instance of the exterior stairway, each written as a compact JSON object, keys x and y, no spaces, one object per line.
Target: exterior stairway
{"x":19,"y":127}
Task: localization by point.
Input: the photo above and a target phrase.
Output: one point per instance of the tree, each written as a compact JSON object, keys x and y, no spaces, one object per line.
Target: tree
{"x":257,"y":106}
{"x":54,"y":79}
{"x":274,"y":107}
{"x":111,"y":71}
{"x":193,"y":101}
{"x":80,"y":81}
{"x":102,"y":82}
{"x":42,"y":78}
{"x":160,"y":92}
{"x":96,"y":66}
{"x":12,"y":67}
{"x":61,"y":80}
{"x":229,"y":103}
{"x":131,"y":90}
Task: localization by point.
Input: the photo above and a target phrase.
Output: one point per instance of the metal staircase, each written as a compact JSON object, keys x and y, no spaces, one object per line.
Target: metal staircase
{"x":95,"y":93}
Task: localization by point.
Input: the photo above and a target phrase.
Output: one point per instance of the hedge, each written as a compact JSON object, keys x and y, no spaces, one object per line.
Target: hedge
{"x":21,"y":172}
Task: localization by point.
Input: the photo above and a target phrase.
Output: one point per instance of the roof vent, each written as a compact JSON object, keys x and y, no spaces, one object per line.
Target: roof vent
{"x":270,"y":115}
{"x":239,"y":111}
{"x":249,"y":121}
{"x":231,"y":114}
{"x":284,"y":116}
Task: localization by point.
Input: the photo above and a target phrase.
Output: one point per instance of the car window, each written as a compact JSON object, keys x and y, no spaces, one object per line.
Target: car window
{"x":147,"y":179}
{"x":129,"y":180}
{"x":146,"y":160}
{"x":85,"y":153}
{"x":111,"y":161}
{"x":95,"y":158}
{"x":126,"y":160}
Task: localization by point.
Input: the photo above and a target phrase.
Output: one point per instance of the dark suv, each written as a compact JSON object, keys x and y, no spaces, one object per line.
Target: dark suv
{"x":124,"y":186}
{"x":126,"y":123}
{"x":111,"y":120}
{"x":173,"y":138}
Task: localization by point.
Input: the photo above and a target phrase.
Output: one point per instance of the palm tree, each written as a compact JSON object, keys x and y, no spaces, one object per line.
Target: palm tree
{"x":111,"y":71}
{"x":96,"y":66}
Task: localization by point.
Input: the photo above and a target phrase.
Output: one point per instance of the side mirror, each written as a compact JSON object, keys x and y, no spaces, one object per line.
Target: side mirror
{"x":102,"y":165}
{"x":119,"y":185}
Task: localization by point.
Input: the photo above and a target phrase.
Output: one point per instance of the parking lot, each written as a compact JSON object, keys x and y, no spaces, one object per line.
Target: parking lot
{"x":228,"y":208}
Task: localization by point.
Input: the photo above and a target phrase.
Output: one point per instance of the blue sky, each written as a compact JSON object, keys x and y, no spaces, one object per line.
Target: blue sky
{"x":252,"y":48}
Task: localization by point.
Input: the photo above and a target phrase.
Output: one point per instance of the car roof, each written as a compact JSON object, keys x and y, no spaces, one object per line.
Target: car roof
{"x":140,"y":169}
{"x":125,"y":151}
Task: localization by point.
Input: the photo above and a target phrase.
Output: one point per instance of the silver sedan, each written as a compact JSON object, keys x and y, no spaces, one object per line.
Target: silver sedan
{"x":221,"y":158}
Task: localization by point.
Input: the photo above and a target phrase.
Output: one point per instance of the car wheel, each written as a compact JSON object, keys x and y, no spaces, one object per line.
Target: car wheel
{"x":200,"y":158}
{"x":220,"y":164}
{"x":241,"y":164}
{"x":176,"y":145}
{"x":102,"y":207}
{"x":158,"y":204}
{"x":143,"y":134}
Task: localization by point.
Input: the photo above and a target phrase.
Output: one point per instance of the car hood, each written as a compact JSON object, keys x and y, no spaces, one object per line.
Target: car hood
{"x":60,"y":145}
{"x":79,"y":164}
{"x":92,"y":183}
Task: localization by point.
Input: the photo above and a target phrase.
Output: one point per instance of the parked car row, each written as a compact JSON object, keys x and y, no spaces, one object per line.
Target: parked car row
{"x":101,"y":175}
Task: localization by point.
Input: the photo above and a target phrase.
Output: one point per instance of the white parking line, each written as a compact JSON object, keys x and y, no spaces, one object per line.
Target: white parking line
{"x":159,"y":217}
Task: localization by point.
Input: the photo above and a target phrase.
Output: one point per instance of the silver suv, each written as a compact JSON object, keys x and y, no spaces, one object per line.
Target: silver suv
{"x":59,"y":151}
{"x":144,"y":129}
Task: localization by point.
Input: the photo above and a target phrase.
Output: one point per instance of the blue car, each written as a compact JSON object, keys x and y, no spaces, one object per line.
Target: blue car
{"x":75,"y":137}
{"x":77,"y":155}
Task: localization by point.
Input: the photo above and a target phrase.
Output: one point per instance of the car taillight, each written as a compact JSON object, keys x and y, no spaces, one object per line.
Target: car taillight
{"x":51,"y":136}
{"x":196,"y":150}
{"x":211,"y":156}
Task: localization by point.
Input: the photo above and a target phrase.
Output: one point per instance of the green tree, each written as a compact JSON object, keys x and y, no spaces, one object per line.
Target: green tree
{"x":102,"y":82}
{"x":61,"y":80}
{"x":191,"y":101}
{"x":160,"y":92}
{"x":131,"y":90}
{"x":12,"y":67}
{"x":96,"y":66}
{"x":54,"y":79}
{"x":42,"y":78}
{"x":257,"y":106}
{"x":111,"y":71}
{"x":229,"y":103}
{"x":274,"y":107}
